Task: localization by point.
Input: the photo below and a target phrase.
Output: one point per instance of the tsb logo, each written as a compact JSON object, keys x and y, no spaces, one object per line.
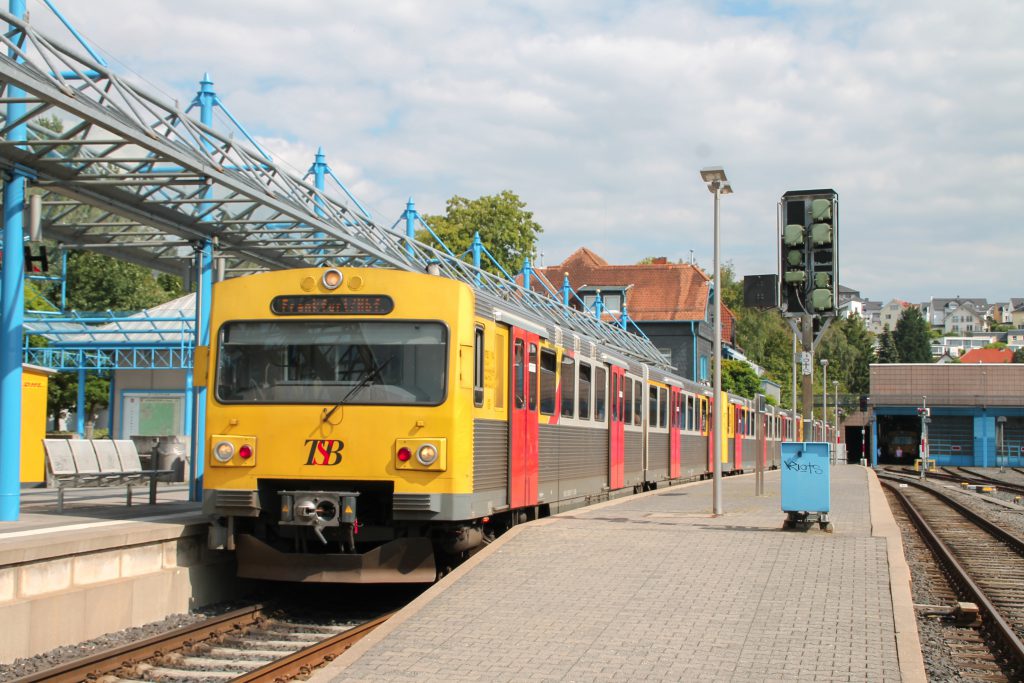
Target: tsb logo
{"x":324,"y":451}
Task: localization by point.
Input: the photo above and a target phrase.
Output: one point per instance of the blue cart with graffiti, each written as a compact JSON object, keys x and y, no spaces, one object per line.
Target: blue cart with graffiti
{"x":806,"y":484}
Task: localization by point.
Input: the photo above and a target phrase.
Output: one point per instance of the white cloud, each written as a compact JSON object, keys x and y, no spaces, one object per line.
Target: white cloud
{"x":600,"y":114}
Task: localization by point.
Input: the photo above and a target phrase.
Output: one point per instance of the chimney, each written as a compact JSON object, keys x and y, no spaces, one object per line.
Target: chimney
{"x":660,"y":261}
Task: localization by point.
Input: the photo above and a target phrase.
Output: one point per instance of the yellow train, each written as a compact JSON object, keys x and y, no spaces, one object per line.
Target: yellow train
{"x":374,"y":425}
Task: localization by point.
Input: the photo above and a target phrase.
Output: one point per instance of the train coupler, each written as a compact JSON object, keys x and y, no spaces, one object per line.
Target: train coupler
{"x":318,"y":510}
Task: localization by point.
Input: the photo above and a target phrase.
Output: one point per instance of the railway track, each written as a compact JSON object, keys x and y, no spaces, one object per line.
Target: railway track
{"x":984,"y":566}
{"x":963,"y":474}
{"x":250,"y":644}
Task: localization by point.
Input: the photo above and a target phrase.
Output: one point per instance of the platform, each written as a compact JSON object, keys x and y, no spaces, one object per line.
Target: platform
{"x":653,"y":587}
{"x":102,"y":566}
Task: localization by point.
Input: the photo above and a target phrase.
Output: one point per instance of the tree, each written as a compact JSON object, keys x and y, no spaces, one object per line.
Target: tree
{"x":506,"y":228}
{"x":887,"y":351}
{"x":912,"y":337}
{"x":849,"y":348}
{"x":739,"y":378}
{"x":97,"y":282}
{"x":1018,"y":355}
{"x":767,"y":340}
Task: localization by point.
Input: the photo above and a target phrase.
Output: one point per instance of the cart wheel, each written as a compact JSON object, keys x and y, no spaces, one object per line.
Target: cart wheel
{"x":827,"y":527}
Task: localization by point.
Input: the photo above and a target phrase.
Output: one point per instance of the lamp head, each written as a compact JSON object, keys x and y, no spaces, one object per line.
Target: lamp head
{"x":714,"y":176}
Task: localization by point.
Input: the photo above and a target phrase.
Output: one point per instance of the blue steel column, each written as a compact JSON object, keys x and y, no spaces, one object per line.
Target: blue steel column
{"x":566,"y":290}
{"x":319,"y":175}
{"x":80,"y":405}
{"x":527,"y":271}
{"x":410,"y":224}
{"x":207,"y":98}
{"x":874,"y":443}
{"x":12,"y":312}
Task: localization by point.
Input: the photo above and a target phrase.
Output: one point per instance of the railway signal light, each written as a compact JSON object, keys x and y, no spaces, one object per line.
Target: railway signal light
{"x":808,"y":275}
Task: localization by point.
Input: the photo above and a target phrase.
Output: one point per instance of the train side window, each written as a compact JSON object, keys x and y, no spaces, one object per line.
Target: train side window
{"x":628,"y":416}
{"x":600,"y":391}
{"x":520,"y":380}
{"x":584,"y":392}
{"x":652,"y":406}
{"x":568,"y":386}
{"x":533,"y":378}
{"x":662,"y":407}
{"x":478,"y":367}
{"x":638,"y":400}
{"x":548,"y":381}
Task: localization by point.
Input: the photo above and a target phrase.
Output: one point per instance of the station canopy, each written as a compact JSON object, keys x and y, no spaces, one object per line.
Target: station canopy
{"x":161,"y":184}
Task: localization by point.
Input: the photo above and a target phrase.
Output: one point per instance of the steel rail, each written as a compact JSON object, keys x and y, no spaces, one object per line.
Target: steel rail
{"x":101,"y":663}
{"x":1000,"y":630}
{"x":307,"y":659}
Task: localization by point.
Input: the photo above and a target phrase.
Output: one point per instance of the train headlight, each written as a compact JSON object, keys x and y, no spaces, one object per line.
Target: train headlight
{"x":427,"y":454}
{"x":332,"y":278}
{"x":421,"y":454}
{"x":224,"y":451}
{"x":232,"y":450}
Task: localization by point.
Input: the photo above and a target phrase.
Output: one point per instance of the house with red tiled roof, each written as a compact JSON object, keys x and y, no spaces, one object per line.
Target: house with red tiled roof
{"x":670,"y":302}
{"x":987,"y":356}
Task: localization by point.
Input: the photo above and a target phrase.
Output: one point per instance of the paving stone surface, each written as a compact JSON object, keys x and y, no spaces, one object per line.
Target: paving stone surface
{"x":655,"y":588}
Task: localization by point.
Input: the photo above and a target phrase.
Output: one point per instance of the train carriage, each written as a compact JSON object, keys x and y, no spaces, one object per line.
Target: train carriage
{"x":372,"y":425}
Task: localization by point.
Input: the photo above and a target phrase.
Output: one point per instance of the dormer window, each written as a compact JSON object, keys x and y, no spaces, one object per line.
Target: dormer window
{"x":611,"y":299}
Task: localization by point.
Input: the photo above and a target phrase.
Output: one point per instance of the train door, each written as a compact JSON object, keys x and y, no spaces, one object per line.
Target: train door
{"x":616,"y":432}
{"x":523,"y":423}
{"x":675,"y":414}
{"x":707,"y":420}
{"x":739,"y":423}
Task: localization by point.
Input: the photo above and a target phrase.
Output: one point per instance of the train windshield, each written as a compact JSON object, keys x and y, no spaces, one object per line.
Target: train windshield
{"x":324,"y":361}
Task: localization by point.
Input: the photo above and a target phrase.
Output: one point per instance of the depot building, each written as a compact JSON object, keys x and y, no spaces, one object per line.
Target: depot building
{"x":974,"y":413}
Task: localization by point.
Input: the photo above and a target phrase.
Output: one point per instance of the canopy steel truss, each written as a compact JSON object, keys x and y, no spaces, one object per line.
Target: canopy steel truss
{"x":162,"y":182}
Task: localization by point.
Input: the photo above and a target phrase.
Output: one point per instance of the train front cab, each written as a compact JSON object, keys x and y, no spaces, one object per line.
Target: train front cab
{"x":337,"y":446}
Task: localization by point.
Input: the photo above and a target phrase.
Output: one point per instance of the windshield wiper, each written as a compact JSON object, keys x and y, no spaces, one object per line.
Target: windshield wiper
{"x":362,"y":383}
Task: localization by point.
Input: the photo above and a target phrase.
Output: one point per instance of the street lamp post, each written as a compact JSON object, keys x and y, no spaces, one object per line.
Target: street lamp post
{"x":824,"y":400}
{"x":718,"y":185}
{"x":835,"y":409}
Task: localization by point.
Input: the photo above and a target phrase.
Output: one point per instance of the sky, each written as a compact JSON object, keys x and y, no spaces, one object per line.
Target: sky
{"x":600,"y":114}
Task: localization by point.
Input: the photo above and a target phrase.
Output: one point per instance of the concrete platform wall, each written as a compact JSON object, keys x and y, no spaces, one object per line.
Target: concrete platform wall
{"x":66,"y":586}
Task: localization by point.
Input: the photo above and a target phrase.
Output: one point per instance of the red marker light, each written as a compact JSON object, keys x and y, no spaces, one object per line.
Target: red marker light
{"x":404,"y":454}
{"x":245,"y":452}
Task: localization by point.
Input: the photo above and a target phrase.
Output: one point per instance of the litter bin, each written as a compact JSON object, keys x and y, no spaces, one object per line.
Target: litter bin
{"x":806,"y":484}
{"x":171,"y":455}
{"x":146,"y":447}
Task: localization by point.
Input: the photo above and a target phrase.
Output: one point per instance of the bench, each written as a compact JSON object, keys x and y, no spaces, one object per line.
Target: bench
{"x":82,"y":463}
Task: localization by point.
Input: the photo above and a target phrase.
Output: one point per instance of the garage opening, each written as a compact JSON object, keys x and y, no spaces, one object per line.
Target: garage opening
{"x":899,"y":439}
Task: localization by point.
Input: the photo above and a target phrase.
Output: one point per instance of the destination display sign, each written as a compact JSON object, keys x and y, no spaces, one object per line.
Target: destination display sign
{"x":332,"y":304}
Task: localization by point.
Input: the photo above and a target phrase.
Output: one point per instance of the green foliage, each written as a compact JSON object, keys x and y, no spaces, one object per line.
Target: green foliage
{"x":62,"y":394}
{"x":887,"y":351}
{"x":171,"y":284}
{"x":1018,"y":355}
{"x":506,"y":228}
{"x":766,"y":339}
{"x":98,"y":283}
{"x":849,"y":348}
{"x":912,"y":337}
{"x":732,"y":287}
{"x":995,"y":345}
{"x":739,"y":378}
